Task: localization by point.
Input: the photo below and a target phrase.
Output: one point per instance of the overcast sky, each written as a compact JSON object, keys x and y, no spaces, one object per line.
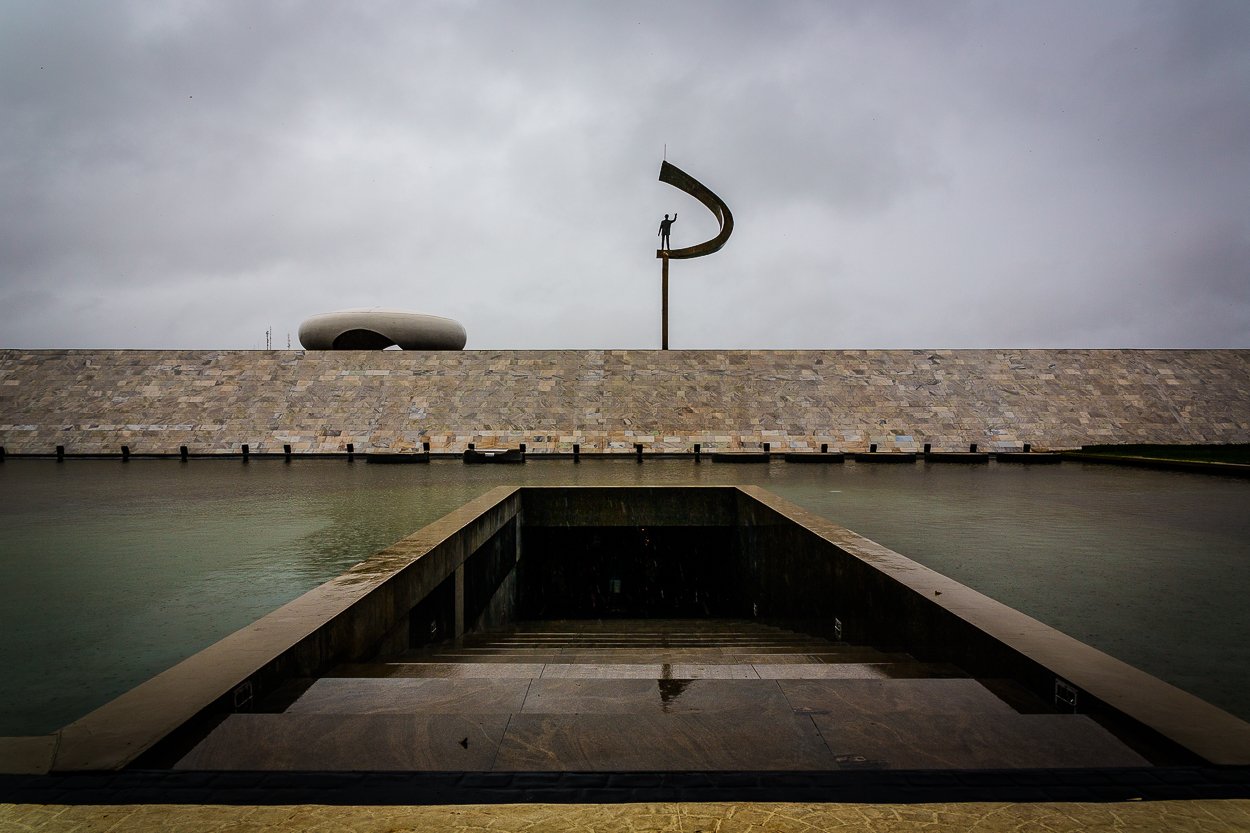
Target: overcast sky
{"x":902,"y":175}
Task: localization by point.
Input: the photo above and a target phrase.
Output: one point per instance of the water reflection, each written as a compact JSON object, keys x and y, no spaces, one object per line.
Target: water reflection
{"x":670,"y":689}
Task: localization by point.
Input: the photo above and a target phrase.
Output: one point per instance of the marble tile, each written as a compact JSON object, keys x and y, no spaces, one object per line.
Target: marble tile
{"x":616,"y":671}
{"x":770,"y":659}
{"x":641,"y":658}
{"x":971,"y":740}
{"x":606,"y":742}
{"x":517,"y":655}
{"x":860,"y":653}
{"x":671,"y":696}
{"x":853,"y":670}
{"x":869,"y":698}
{"x":332,"y":742}
{"x":812,"y":647}
{"x":452,"y":670}
{"x":688,"y":671}
{"x":405,"y":695}
{"x":920,"y":670}
{"x":453,"y":658}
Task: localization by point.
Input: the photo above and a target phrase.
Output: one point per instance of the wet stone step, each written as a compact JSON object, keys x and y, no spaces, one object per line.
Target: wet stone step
{"x":635,"y":637}
{"x":647,"y":650}
{"x":761,"y":733}
{"x":694,"y":671}
{"x":648,"y":628}
{"x":640,"y":640}
{"x":863,"y":699}
{"x":625,"y":642}
{"x":852,"y":654}
{"x":646,"y":632}
{"x":335,"y":742}
{"x":662,"y":658}
{"x":408,"y":695}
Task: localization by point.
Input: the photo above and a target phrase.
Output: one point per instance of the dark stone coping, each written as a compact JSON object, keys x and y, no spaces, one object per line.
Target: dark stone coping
{"x":429,"y":788}
{"x":216,"y":455}
{"x":886,"y":457}
{"x":1198,"y":466}
{"x":631,"y":455}
{"x":957,"y":457}
{"x":1028,"y":456}
{"x":739,"y":456}
{"x":621,"y":454}
{"x":397,"y":457}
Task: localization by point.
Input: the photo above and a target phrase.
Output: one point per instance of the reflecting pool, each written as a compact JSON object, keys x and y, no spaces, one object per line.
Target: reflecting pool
{"x":111,"y":572}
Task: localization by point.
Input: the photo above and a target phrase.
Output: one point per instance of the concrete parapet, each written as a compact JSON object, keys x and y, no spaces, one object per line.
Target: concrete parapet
{"x":609,"y":401}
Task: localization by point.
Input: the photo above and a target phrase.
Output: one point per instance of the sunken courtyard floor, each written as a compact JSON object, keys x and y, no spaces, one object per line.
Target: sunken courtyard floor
{"x":652,"y":695}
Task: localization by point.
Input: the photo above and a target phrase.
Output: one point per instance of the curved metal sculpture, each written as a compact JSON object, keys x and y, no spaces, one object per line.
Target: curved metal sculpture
{"x":683,"y":181}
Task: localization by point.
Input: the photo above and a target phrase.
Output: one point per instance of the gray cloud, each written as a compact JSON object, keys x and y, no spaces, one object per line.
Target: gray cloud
{"x":955,"y":175}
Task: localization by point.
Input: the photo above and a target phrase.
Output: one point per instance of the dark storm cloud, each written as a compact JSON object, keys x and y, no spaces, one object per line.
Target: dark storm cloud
{"x":956,"y":174}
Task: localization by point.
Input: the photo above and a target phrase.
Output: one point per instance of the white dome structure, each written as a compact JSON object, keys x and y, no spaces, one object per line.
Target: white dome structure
{"x":375,"y":328}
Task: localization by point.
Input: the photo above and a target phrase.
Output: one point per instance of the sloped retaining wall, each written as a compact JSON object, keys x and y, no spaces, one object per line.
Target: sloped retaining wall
{"x":95,"y":401}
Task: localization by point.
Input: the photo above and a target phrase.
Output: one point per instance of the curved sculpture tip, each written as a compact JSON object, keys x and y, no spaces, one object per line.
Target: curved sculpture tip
{"x":683,"y":181}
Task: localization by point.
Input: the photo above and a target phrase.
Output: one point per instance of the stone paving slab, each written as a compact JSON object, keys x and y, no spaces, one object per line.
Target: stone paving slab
{"x":603,"y":742}
{"x":989,"y":817}
{"x":450,"y":670}
{"x":984,"y":740}
{"x":654,"y":696}
{"x":371,"y":742}
{"x":869,"y":699}
{"x":409,"y":695}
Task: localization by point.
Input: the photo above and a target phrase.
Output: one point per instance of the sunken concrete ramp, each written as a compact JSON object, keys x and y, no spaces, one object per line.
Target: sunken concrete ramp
{"x":652,"y":695}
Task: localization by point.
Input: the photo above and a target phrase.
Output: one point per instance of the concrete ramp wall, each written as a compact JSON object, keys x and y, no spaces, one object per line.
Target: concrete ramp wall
{"x":95,"y":401}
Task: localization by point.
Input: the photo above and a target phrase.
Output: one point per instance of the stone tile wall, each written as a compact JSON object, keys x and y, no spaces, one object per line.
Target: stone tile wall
{"x":95,"y":401}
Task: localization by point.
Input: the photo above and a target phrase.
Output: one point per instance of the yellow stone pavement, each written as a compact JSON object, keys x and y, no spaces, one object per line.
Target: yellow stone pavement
{"x":1171,"y":816}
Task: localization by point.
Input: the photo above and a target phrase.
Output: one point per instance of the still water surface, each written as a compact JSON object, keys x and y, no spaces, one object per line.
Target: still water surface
{"x":110,"y":573}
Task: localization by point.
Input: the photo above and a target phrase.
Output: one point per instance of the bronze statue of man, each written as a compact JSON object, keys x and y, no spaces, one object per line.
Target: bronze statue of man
{"x":665,"y":225}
